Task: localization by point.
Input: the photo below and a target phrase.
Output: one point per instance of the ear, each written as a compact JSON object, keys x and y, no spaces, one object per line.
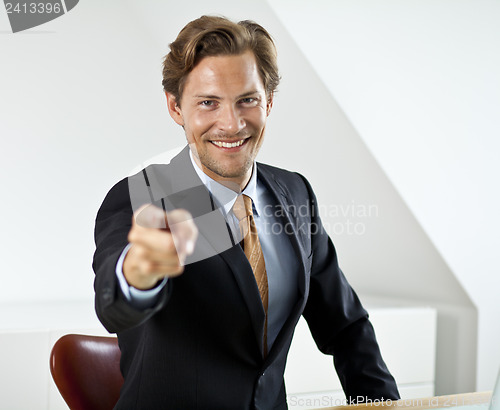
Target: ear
{"x":174,"y":109}
{"x":269,"y":103}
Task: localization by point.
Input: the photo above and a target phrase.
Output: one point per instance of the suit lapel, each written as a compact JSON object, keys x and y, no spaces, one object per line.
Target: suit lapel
{"x":282,"y":196}
{"x":238,"y":263}
{"x":283,"y":199}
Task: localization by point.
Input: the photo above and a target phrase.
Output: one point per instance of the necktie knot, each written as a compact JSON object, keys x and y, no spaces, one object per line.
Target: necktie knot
{"x":243,"y":207}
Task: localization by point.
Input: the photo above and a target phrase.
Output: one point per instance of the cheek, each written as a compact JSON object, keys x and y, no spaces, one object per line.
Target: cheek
{"x":200,"y":124}
{"x":257,"y":117}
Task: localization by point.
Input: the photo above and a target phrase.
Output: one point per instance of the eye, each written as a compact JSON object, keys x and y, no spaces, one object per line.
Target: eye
{"x":248,"y":100}
{"x":207,"y":103}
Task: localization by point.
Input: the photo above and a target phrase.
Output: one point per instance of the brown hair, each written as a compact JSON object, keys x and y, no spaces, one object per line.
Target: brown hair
{"x":213,"y":36}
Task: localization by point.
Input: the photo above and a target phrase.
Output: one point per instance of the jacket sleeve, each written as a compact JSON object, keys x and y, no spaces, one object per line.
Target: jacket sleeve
{"x":113,"y":223}
{"x":339,"y":324}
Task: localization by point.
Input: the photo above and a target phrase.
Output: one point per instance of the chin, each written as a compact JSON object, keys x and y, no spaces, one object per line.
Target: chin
{"x":232,"y":172}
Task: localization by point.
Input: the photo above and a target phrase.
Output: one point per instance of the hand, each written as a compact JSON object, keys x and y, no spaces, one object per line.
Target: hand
{"x":160,"y":243}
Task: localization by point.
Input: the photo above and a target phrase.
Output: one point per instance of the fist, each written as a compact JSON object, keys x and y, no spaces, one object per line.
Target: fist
{"x":160,"y":243}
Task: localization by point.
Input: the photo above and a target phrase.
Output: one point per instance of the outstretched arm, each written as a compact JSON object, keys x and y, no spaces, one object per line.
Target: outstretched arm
{"x":158,"y":245}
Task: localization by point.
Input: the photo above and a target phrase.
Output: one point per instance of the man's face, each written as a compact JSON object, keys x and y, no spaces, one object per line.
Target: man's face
{"x":223,"y":110}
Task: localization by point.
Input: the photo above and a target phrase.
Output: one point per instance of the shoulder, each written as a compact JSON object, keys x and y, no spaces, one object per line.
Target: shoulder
{"x":117,"y":197}
{"x":154,"y":181}
{"x":134,"y":190}
{"x":288,"y":181}
{"x":280,"y":174}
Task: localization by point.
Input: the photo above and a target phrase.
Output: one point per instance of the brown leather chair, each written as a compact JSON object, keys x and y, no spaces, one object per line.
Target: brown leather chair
{"x":86,"y":370}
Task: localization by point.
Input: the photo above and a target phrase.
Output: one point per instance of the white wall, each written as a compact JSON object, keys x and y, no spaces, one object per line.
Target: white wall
{"x":81,"y":104}
{"x":419,"y":81}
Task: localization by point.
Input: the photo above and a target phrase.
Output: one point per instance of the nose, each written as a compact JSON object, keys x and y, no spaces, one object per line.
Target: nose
{"x":230,"y":120}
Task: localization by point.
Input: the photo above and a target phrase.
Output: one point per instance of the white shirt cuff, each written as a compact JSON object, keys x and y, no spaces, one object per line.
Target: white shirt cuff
{"x":141,"y":299}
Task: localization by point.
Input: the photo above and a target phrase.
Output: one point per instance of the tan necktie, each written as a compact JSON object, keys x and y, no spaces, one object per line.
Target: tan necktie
{"x":243,"y":211}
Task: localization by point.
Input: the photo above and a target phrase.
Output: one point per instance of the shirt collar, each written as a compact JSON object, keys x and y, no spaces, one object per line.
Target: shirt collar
{"x":222,"y":194}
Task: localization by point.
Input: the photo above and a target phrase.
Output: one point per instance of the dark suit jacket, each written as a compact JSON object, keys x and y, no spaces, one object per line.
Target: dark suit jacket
{"x":200,"y":347}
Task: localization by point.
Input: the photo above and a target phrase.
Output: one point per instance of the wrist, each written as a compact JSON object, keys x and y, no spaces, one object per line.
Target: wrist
{"x":136,"y":278}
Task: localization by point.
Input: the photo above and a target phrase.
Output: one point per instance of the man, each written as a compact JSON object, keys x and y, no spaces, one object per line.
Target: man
{"x":205,"y":308}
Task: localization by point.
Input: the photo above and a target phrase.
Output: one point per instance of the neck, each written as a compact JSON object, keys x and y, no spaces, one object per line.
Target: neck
{"x":236,"y":184}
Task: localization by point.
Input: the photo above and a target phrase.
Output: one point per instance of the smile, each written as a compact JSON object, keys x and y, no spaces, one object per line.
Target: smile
{"x":222,"y":144}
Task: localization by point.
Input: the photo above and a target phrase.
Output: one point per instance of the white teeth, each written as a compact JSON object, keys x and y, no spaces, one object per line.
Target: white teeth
{"x":228,"y":144}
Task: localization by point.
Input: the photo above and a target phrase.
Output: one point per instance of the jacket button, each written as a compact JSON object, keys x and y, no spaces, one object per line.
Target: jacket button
{"x":107,"y":295}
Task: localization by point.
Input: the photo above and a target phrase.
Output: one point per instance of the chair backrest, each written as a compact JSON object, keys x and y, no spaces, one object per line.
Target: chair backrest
{"x":86,"y":370}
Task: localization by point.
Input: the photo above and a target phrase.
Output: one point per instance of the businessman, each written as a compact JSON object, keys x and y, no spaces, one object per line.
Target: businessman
{"x":204,"y":265}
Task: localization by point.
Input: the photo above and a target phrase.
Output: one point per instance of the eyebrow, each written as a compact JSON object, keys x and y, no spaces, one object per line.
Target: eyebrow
{"x":248,"y":94}
{"x":216,"y":97}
